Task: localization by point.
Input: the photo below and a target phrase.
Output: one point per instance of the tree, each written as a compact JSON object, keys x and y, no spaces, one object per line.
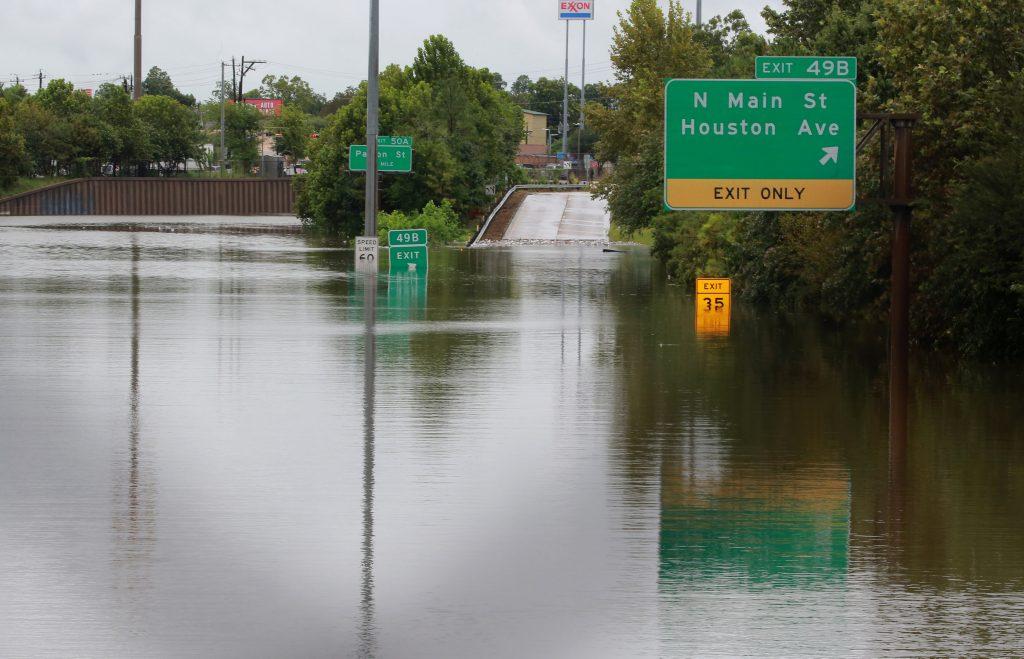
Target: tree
{"x":158,"y":83}
{"x":13,"y":157}
{"x":293,"y":128}
{"x":293,"y":91}
{"x":128,"y":139}
{"x":466,"y":132}
{"x":39,"y":129}
{"x":173,"y":131}
{"x":340,"y":100}
{"x":242,"y":128}
{"x":648,"y":46}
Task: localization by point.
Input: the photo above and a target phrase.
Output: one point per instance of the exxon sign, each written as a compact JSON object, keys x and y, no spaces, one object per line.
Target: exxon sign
{"x":575,"y":10}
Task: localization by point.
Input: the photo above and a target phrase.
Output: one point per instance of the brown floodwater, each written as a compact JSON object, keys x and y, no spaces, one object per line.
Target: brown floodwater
{"x":234,"y":446}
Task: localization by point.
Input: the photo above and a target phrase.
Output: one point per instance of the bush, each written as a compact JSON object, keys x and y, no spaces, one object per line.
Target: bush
{"x":441,"y":222}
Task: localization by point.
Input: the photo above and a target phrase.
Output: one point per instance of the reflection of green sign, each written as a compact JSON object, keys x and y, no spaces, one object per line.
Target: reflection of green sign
{"x":408,"y":259}
{"x":407,"y":237}
{"x":394,"y":140}
{"x":389,"y":158}
{"x":760,"y":144}
{"x":807,"y":68}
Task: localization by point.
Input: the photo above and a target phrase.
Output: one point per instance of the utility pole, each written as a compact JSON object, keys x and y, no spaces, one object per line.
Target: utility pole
{"x":234,"y":81}
{"x":223,"y":149}
{"x":137,"y":81}
{"x":565,"y":99}
{"x":698,"y":13}
{"x":372,"y":121}
{"x":246,"y":68}
{"x":40,"y":80}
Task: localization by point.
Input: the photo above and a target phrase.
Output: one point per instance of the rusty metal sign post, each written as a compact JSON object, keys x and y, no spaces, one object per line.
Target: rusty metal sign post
{"x":900,"y":201}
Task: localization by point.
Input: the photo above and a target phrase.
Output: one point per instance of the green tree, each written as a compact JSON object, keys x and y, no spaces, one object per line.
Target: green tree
{"x":38,"y":126}
{"x":173,"y":131}
{"x":242,"y":128}
{"x":13,"y":157}
{"x":293,"y":91}
{"x":648,"y":46}
{"x":293,"y":128}
{"x":128,"y":140}
{"x":158,"y":83}
{"x":466,"y":133}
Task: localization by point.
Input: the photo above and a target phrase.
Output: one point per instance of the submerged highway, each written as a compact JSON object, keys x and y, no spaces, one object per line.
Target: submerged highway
{"x":556,"y":217}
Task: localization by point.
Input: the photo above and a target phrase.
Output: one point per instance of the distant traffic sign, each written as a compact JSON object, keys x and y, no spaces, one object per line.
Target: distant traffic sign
{"x":806,"y":68}
{"x":407,"y":237}
{"x":409,"y":259}
{"x":367,"y":248}
{"x":389,"y":140}
{"x":575,"y":10}
{"x":714,"y":306}
{"x":389,"y":158}
{"x":760,"y":144}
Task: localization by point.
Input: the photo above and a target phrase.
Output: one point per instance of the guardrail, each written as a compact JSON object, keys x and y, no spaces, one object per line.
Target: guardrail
{"x":508,"y":195}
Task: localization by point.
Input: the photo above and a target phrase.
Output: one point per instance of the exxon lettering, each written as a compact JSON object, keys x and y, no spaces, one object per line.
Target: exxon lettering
{"x":576,"y":9}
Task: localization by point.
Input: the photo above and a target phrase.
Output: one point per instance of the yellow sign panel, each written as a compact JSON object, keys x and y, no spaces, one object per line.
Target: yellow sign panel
{"x":714,"y":307}
{"x":760,"y":193}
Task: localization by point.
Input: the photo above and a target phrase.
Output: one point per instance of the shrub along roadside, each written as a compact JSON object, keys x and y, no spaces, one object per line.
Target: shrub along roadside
{"x":441,"y":222}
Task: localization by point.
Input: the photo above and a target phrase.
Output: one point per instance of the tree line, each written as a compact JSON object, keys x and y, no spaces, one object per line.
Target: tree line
{"x":960,"y":66}
{"x":65,"y":132}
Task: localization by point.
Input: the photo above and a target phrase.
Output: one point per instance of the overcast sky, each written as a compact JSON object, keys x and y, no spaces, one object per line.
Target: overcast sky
{"x":324,"y":41}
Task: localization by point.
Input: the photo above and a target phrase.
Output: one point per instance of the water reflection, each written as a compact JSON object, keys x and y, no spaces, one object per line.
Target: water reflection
{"x":492,"y":495}
{"x":367,"y":629}
{"x":134,"y":523}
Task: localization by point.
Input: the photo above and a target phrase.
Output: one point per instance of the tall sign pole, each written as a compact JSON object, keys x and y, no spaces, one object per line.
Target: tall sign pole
{"x":583,"y":98}
{"x":137,"y":83}
{"x":565,"y":99}
{"x":372,"y":121}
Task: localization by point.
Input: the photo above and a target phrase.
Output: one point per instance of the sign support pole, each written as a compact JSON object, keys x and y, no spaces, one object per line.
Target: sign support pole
{"x":899,"y":337}
{"x":583,"y":103}
{"x":372,"y":121}
{"x":565,"y":99}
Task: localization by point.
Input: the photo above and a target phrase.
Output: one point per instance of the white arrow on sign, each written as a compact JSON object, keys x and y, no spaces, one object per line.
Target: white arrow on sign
{"x":831,"y":153}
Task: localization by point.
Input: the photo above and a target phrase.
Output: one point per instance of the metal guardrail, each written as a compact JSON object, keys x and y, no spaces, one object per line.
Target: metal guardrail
{"x":508,"y":195}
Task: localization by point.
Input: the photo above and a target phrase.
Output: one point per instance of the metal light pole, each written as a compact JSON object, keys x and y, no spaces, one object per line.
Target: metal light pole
{"x":565,"y":99}
{"x":137,"y":83}
{"x":372,"y":121}
{"x":698,"y":13}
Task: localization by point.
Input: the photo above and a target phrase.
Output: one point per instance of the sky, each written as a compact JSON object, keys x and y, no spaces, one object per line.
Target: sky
{"x":90,"y":42}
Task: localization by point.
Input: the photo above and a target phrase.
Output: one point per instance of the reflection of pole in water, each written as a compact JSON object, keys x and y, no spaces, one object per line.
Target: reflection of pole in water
{"x":133,"y":415}
{"x":367,"y":631}
{"x":133,"y":519}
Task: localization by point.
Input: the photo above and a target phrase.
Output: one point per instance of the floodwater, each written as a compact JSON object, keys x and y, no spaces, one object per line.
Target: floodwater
{"x":233,"y":446}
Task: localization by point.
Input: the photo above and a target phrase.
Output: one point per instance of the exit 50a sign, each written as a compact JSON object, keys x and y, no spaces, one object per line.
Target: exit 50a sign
{"x":575,"y":10}
{"x":760,"y":144}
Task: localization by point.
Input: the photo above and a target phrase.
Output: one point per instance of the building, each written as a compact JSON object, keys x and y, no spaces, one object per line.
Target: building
{"x":533,"y":150}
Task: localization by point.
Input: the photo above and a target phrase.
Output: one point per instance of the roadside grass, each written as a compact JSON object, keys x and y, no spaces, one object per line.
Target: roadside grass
{"x":28,"y":184}
{"x":641,"y":237}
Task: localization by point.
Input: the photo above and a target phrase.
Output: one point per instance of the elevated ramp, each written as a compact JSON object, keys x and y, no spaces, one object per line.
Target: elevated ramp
{"x":555,"y":217}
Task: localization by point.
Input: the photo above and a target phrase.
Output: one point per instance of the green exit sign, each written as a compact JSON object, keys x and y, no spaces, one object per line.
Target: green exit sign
{"x":806,"y":68}
{"x":760,"y":144}
{"x":394,"y":140}
{"x":407,"y":237}
{"x":408,"y":259}
{"x":389,"y":158}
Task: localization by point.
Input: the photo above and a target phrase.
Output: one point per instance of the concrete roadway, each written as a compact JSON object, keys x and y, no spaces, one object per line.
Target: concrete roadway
{"x":560,"y":217}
